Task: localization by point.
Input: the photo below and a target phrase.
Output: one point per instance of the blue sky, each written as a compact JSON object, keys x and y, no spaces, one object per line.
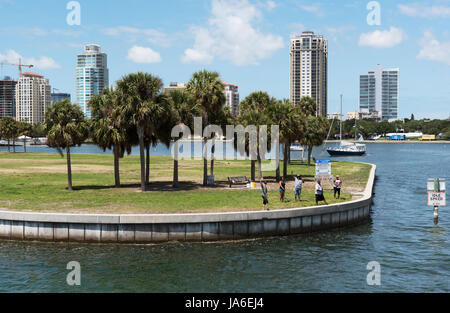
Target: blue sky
{"x":175,"y":38}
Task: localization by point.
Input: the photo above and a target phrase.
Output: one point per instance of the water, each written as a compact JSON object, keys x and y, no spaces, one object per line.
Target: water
{"x":414,"y":254}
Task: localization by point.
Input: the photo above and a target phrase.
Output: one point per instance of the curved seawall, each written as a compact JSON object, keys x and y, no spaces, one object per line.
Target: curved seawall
{"x":157,"y":228}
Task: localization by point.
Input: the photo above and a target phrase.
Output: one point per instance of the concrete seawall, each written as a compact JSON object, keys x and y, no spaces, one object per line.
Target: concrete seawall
{"x":157,"y":228}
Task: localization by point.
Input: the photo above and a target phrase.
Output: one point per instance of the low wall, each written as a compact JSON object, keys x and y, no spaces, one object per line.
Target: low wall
{"x":156,"y":228}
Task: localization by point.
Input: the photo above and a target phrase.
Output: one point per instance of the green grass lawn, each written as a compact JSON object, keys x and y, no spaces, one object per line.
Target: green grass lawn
{"x":37,"y":182}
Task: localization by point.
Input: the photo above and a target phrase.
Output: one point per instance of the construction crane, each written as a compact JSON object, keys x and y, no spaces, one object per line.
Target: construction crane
{"x":18,"y":65}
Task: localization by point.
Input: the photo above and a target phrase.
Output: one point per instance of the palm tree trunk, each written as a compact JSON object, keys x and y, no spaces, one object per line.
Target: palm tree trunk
{"x":277,"y":159}
{"x":259,"y":167}
{"x":309,"y":155}
{"x":24,"y":145}
{"x":9,"y":149}
{"x":69,"y":169}
{"x":116,"y":167}
{"x":175,"y":165}
{"x":147,"y":165}
{"x":253,"y":170}
{"x":14,"y":145}
{"x":140,"y":132}
{"x":205,"y":164}
{"x":285,"y":157}
{"x":213,"y":149}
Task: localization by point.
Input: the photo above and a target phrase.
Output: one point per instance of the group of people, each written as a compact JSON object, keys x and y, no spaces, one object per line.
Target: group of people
{"x":298,"y":183}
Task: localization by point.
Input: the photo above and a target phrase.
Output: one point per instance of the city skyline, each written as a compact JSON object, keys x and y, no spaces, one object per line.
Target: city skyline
{"x":253,"y":54}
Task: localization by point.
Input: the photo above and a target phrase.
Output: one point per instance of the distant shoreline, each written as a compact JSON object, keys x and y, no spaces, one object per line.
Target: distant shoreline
{"x":394,"y":141}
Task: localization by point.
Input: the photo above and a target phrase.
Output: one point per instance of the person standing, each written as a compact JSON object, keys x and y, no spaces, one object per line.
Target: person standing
{"x":298,"y":187}
{"x":319,"y":193}
{"x":282,"y":189}
{"x":264,"y":191}
{"x":337,"y":187}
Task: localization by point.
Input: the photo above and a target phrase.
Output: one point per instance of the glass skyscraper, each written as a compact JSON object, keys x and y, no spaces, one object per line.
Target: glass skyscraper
{"x":379,"y":93}
{"x":92,"y":76}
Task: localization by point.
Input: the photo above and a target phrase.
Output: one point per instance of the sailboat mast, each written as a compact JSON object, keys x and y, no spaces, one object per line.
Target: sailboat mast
{"x":340,"y":126}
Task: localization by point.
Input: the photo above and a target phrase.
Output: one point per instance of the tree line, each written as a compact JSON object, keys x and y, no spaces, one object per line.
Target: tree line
{"x":135,"y":112}
{"x":370,"y":127}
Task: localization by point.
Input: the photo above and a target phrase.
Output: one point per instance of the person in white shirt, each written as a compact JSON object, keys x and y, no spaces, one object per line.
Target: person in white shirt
{"x":337,"y":187}
{"x":319,"y":193}
{"x":298,"y":187}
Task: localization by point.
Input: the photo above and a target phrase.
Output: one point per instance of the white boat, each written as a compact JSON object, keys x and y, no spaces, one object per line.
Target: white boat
{"x":296,"y":147}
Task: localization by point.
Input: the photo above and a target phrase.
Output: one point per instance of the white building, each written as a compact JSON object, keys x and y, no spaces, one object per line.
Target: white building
{"x":309,"y":69}
{"x":92,"y":76}
{"x":174,"y":86}
{"x":232,"y":98}
{"x":33,"y":96}
{"x":379,"y":92}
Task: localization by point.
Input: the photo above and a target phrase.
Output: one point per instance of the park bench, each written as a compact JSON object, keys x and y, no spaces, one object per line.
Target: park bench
{"x":240,"y":180}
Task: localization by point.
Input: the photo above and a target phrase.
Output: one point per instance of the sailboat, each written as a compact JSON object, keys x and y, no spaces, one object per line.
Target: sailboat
{"x":347,"y":148}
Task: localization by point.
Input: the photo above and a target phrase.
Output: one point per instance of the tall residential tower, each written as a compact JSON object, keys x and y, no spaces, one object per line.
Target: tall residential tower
{"x":379,"y":93}
{"x":309,"y":69}
{"x":7,"y":97}
{"x":32,"y":98}
{"x":92,"y":76}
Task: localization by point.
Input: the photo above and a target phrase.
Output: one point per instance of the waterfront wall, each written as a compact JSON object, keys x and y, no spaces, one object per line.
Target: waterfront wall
{"x":157,"y":228}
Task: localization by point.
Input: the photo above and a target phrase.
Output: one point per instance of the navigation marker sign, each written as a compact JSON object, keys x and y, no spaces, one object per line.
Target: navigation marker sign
{"x":436,"y":195}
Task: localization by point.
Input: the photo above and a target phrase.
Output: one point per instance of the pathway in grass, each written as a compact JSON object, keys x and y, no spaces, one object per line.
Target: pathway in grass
{"x":37,"y":182}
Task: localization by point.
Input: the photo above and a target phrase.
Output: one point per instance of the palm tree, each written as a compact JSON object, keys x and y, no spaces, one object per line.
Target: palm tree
{"x":185,"y":109}
{"x":254,"y":111}
{"x":307,"y":106}
{"x":207,"y":90}
{"x":9,"y":130}
{"x":316,"y":130}
{"x":66,"y":127}
{"x":140,"y":91}
{"x":290,"y":121}
{"x":26,"y":130}
{"x":106,"y":130}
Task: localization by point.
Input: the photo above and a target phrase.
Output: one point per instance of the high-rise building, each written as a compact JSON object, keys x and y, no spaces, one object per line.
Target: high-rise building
{"x":92,"y":76}
{"x":59,"y":96}
{"x":32,"y":98}
{"x":309,"y":69}
{"x":7,"y":97}
{"x":231,"y":92}
{"x":379,"y":93}
{"x":174,"y":86}
{"x":232,"y":98}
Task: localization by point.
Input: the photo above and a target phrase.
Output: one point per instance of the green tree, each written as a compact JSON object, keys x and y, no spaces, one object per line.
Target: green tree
{"x":185,"y":110}
{"x":316,"y":130}
{"x":140,"y":93}
{"x":207,"y":89}
{"x":254,"y":111}
{"x":26,"y":130}
{"x":106,"y":130}
{"x":9,"y":129}
{"x":308,"y":106}
{"x":66,"y":127}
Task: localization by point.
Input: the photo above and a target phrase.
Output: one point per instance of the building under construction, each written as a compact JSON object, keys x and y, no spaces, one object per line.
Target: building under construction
{"x":7,"y":97}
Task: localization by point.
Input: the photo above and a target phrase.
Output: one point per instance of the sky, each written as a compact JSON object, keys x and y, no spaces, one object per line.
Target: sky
{"x":246,"y":41}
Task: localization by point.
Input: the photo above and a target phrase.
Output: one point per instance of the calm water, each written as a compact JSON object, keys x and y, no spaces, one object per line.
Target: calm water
{"x":414,"y":253}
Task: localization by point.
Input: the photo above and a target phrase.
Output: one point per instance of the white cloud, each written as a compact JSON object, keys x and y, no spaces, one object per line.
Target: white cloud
{"x":314,"y":8}
{"x":134,"y":34}
{"x":433,"y":50}
{"x":382,"y":38}
{"x":231,"y":36}
{"x":43,"y":62}
{"x":139,"y":54}
{"x":419,"y":10}
{"x":270,"y":5}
